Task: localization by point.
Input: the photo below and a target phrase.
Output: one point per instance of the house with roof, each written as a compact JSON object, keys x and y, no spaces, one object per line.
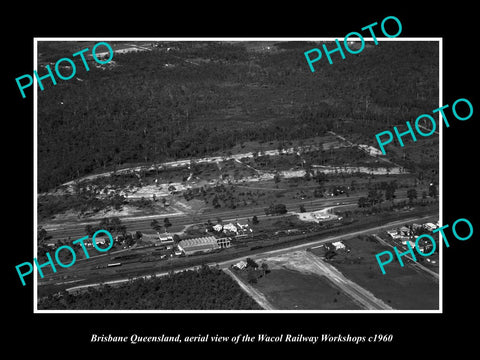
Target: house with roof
{"x":430,"y":226}
{"x":404,"y":230}
{"x":230,"y":228}
{"x":165,"y":239}
{"x":338,"y":245}
{"x":240,"y":265}
{"x":218,"y":227}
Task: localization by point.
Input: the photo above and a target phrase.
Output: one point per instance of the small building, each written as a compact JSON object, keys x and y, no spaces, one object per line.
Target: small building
{"x":392,"y":233}
{"x":404,"y":231}
{"x":218,"y":227}
{"x":416,"y":226}
{"x":158,"y":239}
{"x":98,"y":241}
{"x":430,"y":226}
{"x":230,"y":227}
{"x":165,"y":239}
{"x":338,"y":245}
{"x":240,"y":265}
{"x":243,"y":228}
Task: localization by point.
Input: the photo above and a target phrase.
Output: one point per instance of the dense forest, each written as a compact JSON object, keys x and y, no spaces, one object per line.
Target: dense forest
{"x":192,"y":99}
{"x":203,"y":289}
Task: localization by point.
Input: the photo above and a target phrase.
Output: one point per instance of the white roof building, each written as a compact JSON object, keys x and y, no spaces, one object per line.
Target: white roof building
{"x":240,"y":265}
{"x":392,"y":233}
{"x":218,"y":227}
{"x":230,"y":227}
{"x":165,"y":239}
{"x":430,"y":226}
{"x":404,"y":230}
{"x":338,"y":245}
{"x":240,"y":226}
{"x":203,"y":244}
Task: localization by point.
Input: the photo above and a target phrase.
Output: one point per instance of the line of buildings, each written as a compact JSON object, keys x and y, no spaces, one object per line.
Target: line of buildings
{"x":406,"y":234}
{"x":189,"y":246}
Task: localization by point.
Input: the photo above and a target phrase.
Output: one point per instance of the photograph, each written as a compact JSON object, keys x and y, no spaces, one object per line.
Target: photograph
{"x":242,"y":181}
{"x":237,"y":175}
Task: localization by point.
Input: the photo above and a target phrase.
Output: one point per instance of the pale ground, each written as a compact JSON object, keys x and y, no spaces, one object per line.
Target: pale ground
{"x":160,"y":190}
{"x":295,"y":260}
{"x":237,"y":157}
{"x":317,"y":216}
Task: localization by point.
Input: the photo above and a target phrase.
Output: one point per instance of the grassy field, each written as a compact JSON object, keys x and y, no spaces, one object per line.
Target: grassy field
{"x":292,"y":290}
{"x":403,"y":288}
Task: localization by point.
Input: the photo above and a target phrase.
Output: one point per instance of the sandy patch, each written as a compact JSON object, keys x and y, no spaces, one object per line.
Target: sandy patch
{"x":296,"y":261}
{"x":317,"y":216}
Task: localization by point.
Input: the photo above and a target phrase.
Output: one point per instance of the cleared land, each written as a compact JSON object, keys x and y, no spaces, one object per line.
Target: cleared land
{"x":331,"y":283}
{"x":293,"y":290}
{"x":250,"y":290}
{"x":403,"y":288}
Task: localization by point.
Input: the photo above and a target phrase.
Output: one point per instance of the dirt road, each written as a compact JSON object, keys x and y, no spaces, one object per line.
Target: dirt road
{"x":250,"y":290}
{"x":360,"y":295}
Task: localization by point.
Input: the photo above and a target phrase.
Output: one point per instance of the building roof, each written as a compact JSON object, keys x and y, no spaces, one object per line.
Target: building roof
{"x":241,"y":264}
{"x":338,"y":245}
{"x":199,"y":244}
{"x":165,"y":238}
{"x":230,"y":227}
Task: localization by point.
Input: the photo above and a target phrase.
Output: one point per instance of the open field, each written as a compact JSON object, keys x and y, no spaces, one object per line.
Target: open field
{"x":288,"y":289}
{"x":307,"y":264}
{"x":402,"y":288}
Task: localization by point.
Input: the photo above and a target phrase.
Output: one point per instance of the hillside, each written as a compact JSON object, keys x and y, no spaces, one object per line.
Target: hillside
{"x":192,"y":99}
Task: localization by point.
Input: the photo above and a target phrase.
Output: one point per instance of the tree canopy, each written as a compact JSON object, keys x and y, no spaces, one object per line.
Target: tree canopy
{"x":203,"y":289}
{"x":203,"y":97}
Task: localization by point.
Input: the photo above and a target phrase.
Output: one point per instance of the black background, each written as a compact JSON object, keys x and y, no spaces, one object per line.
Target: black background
{"x":42,"y":334}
